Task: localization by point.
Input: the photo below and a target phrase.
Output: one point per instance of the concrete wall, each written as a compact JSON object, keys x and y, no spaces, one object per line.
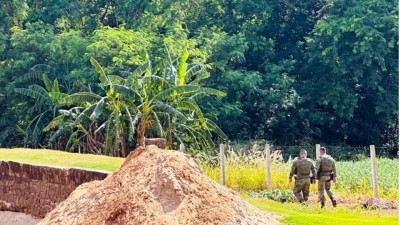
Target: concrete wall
{"x":35,"y":189}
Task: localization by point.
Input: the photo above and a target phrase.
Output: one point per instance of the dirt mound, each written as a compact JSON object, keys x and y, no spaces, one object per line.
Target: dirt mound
{"x":155,"y":186}
{"x":375,"y":203}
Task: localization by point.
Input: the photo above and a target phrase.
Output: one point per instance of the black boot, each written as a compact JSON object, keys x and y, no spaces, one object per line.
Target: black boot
{"x":322,"y":205}
{"x":334,"y":203}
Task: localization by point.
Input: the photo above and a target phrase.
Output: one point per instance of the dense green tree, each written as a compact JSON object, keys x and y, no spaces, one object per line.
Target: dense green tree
{"x":294,"y":71}
{"x":352,"y":91}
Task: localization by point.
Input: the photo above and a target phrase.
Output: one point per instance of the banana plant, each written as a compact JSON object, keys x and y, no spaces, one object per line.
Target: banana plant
{"x":109,"y":109}
{"x":157,"y":101}
{"x":79,"y":131}
{"x":9,"y":131}
{"x":45,"y":108}
{"x":173,"y":102}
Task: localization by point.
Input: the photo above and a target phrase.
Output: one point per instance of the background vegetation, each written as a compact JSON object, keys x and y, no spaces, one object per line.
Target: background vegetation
{"x":295,"y":72}
{"x":245,"y":171}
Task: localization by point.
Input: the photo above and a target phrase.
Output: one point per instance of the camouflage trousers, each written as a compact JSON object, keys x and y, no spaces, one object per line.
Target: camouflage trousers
{"x":324,"y":183}
{"x":302,"y":189}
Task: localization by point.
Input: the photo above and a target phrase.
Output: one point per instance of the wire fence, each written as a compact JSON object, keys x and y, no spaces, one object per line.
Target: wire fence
{"x":338,"y":152}
{"x":249,"y":154}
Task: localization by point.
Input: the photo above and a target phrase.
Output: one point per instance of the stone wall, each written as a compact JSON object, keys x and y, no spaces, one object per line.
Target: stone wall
{"x":35,"y":189}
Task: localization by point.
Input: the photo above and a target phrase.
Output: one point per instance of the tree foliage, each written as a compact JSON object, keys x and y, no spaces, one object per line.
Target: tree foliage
{"x":294,"y":71}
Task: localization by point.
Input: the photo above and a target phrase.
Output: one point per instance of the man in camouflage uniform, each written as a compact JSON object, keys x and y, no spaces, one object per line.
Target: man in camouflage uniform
{"x":326,"y":171}
{"x":302,"y":167}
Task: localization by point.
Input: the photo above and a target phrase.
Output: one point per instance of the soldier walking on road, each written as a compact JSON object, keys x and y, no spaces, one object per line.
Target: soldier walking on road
{"x":326,"y":172}
{"x":302,"y":168}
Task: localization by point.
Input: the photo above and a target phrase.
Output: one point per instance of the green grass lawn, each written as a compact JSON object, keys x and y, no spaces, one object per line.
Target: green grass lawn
{"x":310,"y":215}
{"x":59,"y":158}
{"x":291,"y":213}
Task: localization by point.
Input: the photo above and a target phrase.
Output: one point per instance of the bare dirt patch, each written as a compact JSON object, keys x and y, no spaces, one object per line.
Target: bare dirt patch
{"x":155,"y":186}
{"x":16,"y":218}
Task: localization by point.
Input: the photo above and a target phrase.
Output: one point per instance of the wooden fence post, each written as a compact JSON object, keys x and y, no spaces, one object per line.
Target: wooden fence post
{"x":317,"y":147}
{"x":373,"y":170}
{"x":268,"y":166}
{"x":182,"y":148}
{"x":222,"y":164}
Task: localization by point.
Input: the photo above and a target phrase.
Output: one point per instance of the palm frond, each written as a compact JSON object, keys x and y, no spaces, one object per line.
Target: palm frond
{"x":182,"y":68}
{"x":116,"y":79}
{"x":170,"y":111}
{"x":41,"y":122}
{"x":176,"y":136}
{"x":61,"y":129}
{"x":46,"y":81}
{"x":56,"y":122}
{"x":37,"y":71}
{"x":85,"y":113}
{"x":151,"y":78}
{"x":175,"y":90}
{"x":98,"y":109}
{"x":35,"y":127}
{"x":37,"y":92}
{"x":191,"y":105}
{"x":56,"y":96}
{"x":55,"y":87}
{"x":141,"y":70}
{"x":72,"y":140}
{"x":126,"y":91}
{"x":191,"y":132}
{"x":70,"y":112}
{"x":104,"y":79}
{"x":132,"y":122}
{"x":37,"y":107}
{"x":43,"y":68}
{"x":19,"y":130}
{"x":31,"y":75}
{"x":102,"y":126}
{"x":216,"y":129}
{"x":199,"y":71}
{"x":80,"y":98}
{"x":205,"y":137}
{"x":186,"y":89}
{"x":38,"y":89}
{"x":158,"y":125}
{"x":212,"y":91}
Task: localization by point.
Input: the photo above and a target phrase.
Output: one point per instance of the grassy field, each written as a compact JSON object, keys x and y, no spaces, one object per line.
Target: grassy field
{"x":290,"y":213}
{"x":246,"y":171}
{"x":59,"y":158}
{"x":310,"y":215}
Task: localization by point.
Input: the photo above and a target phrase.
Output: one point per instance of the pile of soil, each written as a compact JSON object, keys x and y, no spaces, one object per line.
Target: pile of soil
{"x":156,"y":186}
{"x":375,"y":203}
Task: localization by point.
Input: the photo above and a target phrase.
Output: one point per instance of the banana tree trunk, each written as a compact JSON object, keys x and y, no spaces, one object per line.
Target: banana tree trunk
{"x":123,"y":143}
{"x":169,"y":139}
{"x":141,"y":129}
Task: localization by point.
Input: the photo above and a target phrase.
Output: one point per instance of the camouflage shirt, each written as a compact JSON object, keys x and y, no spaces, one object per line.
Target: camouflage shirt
{"x":325,"y":165}
{"x":302,"y":168}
